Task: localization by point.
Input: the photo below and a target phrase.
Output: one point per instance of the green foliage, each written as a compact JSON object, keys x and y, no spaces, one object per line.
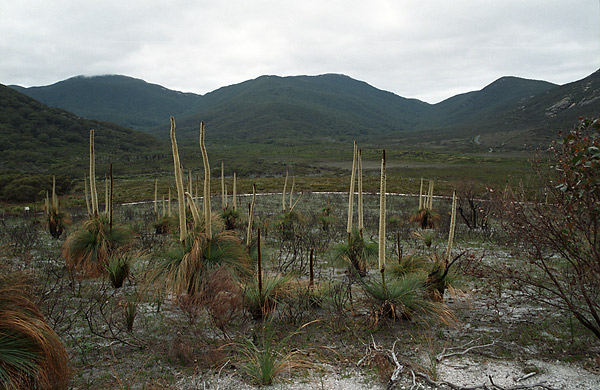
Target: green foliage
{"x":263,"y":360}
{"x":404,"y":297}
{"x":357,"y":251}
{"x":88,"y":249}
{"x":562,"y":236}
{"x":183,"y":267}
{"x":44,"y":139}
{"x":118,"y":267}
{"x":261,"y":303}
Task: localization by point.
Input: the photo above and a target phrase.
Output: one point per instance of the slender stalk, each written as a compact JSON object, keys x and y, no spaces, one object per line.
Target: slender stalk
{"x":169,"y":202}
{"x":430,"y":199}
{"x":179,"y":185}
{"x":292,"y":191}
{"x":382,"y":210}
{"x":360,"y":194}
{"x":156,"y":199}
{"x":311,"y":274}
{"x":105,"y":195}
{"x":452,"y":227}
{"x":93,"y":192}
{"x":259,"y":267}
{"x":87,"y":195}
{"x":234,"y":192}
{"x":54,"y":197}
{"x":421,"y":195}
{"x":207,"y":212}
{"x":284,"y":189}
{"x":164,"y":211}
{"x":251,"y":216}
{"x":47,"y":204}
{"x":223,"y":199}
{"x":399,"y":248}
{"x":111,"y":198}
{"x":193,"y":208}
{"x":351,"y":193}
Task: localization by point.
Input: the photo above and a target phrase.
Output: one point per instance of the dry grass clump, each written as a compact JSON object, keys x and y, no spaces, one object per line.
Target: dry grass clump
{"x":31,"y":354}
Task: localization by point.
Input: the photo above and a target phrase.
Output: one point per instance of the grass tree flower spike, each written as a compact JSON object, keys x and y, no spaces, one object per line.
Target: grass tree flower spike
{"x":351,"y":192}
{"x":360,"y":194}
{"x":87,"y":194}
{"x":178,"y":184}
{"x":284,"y":189}
{"x":251,"y":216}
{"x":452,"y":227}
{"x":382,"y":208}
{"x":93,"y":192}
{"x":234,"y":191}
{"x":207,"y":212}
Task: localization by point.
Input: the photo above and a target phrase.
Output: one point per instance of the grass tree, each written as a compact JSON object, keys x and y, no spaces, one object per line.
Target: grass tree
{"x":356,"y":250}
{"x":31,"y":354}
{"x":88,"y":249}
{"x":57,"y":220}
{"x":426,"y":216}
{"x":202,"y":247}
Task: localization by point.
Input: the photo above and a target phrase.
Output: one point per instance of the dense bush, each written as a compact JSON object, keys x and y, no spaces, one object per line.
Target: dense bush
{"x":16,"y":187}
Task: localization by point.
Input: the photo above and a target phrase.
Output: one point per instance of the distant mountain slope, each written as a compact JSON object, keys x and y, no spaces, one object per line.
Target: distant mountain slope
{"x":37,"y":138}
{"x":123,"y":100}
{"x":478,"y":106}
{"x":332,"y":107}
{"x":272,"y":109}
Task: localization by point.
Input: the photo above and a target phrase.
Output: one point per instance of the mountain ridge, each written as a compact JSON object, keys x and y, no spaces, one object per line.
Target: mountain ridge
{"x":329,"y":107}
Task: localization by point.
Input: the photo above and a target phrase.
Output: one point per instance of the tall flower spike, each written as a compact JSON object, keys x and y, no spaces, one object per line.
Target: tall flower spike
{"x":452,"y":227}
{"x":54,"y":197}
{"x":223,"y":194}
{"x":178,"y":184}
{"x":382,"y":210}
{"x":284,"y":189}
{"x":234,"y":192}
{"x":87,"y":195}
{"x":360,"y":193}
{"x":251,"y":216}
{"x":292,"y":191}
{"x":207,"y":212}
{"x":421,"y":195}
{"x":351,"y":192}
{"x":93,"y":192}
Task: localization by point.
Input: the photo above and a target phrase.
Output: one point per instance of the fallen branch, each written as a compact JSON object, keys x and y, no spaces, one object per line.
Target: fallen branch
{"x":483,"y":386}
{"x":441,"y":356}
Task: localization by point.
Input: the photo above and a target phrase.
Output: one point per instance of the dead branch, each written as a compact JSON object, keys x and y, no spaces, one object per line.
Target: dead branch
{"x":441,"y":356}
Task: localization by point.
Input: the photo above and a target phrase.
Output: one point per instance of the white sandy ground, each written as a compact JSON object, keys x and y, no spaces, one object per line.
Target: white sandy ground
{"x":463,"y":372}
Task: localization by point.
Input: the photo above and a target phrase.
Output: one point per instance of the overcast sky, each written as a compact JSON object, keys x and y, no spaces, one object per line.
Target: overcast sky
{"x":424,"y":49}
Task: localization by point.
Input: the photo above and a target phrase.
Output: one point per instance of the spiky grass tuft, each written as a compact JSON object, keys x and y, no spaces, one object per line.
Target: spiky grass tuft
{"x":87,"y":250}
{"x":31,"y":354}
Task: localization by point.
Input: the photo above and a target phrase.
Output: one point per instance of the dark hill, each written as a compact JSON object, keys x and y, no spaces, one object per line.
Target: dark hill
{"x":327,"y":108}
{"x":37,"y":138}
{"x":301,"y":109}
{"x":123,"y":100}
